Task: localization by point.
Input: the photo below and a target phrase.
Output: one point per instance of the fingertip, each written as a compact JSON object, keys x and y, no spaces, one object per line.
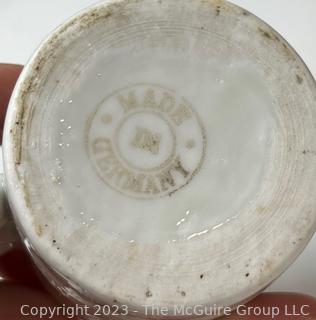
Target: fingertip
{"x":9,"y":73}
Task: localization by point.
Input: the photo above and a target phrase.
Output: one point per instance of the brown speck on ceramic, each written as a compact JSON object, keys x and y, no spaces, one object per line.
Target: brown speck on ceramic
{"x":247,"y":274}
{"x":305,"y":152}
{"x":183,"y":294}
{"x":39,"y":230}
{"x":201,"y":276}
{"x":288,"y":51}
{"x":148,"y":294}
{"x":265,"y":33}
{"x":299,"y":79}
{"x":218,"y":10}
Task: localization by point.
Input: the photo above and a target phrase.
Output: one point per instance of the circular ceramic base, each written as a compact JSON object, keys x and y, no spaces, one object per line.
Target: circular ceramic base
{"x":161,"y":153}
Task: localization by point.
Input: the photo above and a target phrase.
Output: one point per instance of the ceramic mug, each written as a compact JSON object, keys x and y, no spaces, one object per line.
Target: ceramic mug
{"x":161,"y":153}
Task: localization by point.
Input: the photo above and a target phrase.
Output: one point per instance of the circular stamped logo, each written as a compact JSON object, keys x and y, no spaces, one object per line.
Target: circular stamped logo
{"x":145,"y":141}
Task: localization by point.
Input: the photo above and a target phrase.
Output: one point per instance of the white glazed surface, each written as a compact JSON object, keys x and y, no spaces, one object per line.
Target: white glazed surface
{"x":237,"y":124}
{"x":239,"y":281}
{"x":20,"y":39}
{"x":25,"y":24}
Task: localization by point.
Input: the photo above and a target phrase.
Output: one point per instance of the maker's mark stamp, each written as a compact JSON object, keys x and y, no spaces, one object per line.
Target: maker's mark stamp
{"x":145,"y":141}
